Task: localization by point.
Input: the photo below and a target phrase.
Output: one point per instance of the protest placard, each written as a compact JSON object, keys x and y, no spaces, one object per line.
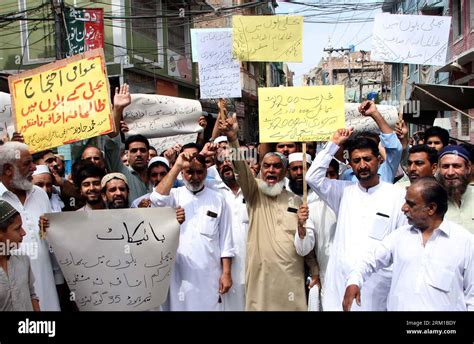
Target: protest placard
{"x":194,"y":43}
{"x":116,"y":260}
{"x":6,"y":120}
{"x":153,"y":115}
{"x":219,"y":72}
{"x":62,"y":102}
{"x":300,"y":113}
{"x":410,"y":39}
{"x":163,"y":143}
{"x":268,"y":38}
{"x":365,"y":123}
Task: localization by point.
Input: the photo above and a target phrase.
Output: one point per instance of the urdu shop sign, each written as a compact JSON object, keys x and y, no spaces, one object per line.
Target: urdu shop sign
{"x":84,"y":30}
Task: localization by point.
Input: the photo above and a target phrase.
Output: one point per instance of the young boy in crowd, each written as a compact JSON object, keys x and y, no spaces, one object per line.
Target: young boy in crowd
{"x":17,"y":292}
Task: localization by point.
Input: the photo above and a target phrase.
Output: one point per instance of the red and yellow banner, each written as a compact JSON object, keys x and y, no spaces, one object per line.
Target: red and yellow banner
{"x":62,"y":102}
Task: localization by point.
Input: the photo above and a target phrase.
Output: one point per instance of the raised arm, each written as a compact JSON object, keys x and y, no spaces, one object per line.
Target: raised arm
{"x":164,"y":187}
{"x":329,"y":190}
{"x":245,"y":177}
{"x":122,"y":99}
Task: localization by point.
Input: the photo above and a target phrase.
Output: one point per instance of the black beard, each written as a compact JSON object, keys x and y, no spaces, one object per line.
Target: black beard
{"x":454,"y":192}
{"x":111,"y":205}
{"x":229,"y":180}
{"x":296,"y":186}
{"x":94,"y":202}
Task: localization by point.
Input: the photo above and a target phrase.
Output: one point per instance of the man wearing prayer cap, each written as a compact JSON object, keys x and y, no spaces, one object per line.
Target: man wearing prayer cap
{"x":454,"y":170}
{"x":294,"y":182}
{"x":318,"y":219}
{"x":221,"y":139}
{"x":115,"y":190}
{"x":271,"y":253}
{"x":158,"y":168}
{"x":43,"y":178}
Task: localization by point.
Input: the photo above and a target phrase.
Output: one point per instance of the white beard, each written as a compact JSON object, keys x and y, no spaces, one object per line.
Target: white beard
{"x":191,"y":188}
{"x":19,"y":182}
{"x":271,"y":190}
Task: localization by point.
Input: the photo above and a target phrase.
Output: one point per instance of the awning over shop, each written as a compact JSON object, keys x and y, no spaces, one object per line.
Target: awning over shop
{"x":427,"y":104}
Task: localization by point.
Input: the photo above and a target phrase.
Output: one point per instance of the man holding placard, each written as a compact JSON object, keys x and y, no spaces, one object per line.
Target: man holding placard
{"x":271,"y":253}
{"x":202,"y":271}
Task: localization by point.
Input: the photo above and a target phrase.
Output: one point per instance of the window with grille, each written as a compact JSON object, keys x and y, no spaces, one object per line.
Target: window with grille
{"x":177,"y":27}
{"x":141,"y":24}
{"x":457,"y":19}
{"x":465,"y":125}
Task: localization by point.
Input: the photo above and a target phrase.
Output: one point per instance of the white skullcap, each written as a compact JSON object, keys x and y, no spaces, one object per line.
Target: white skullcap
{"x":221,"y":139}
{"x":299,"y":157}
{"x":159,"y":159}
{"x":41,"y":169}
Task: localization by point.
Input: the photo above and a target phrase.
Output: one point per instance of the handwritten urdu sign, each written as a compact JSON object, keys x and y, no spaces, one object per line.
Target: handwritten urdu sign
{"x":154,"y":115}
{"x":219,"y":72}
{"x":161,"y":144}
{"x":194,"y":42}
{"x":116,"y":260}
{"x":268,"y":38}
{"x":300,"y":113}
{"x":62,"y":102}
{"x":410,"y":39}
{"x":6,"y":120}
{"x":365,"y":123}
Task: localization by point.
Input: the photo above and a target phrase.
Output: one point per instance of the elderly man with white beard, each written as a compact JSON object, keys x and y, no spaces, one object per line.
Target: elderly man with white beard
{"x":202,"y":270}
{"x":16,"y":187}
{"x":274,"y":271}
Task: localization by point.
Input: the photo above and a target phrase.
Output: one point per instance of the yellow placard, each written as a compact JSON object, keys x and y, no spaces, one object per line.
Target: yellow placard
{"x":268,"y":38}
{"x":300,"y":114}
{"x":62,"y":102}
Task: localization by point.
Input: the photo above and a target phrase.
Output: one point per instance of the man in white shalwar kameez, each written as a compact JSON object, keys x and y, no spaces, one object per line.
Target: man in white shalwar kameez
{"x":366,"y":212}
{"x":16,"y":170}
{"x":234,"y":300}
{"x":202,"y":270}
{"x":432,"y":257}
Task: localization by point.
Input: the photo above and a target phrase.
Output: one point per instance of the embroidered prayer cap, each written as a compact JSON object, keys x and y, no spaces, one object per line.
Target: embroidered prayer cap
{"x":6,"y":212}
{"x":108,"y":177}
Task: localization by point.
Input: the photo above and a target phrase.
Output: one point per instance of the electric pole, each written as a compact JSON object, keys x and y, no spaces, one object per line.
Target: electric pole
{"x":58,"y":7}
{"x":361,"y":79}
{"x":330,"y":50}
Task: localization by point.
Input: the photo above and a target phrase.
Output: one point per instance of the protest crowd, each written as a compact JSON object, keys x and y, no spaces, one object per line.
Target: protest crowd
{"x":161,"y":206}
{"x":386,"y":222}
